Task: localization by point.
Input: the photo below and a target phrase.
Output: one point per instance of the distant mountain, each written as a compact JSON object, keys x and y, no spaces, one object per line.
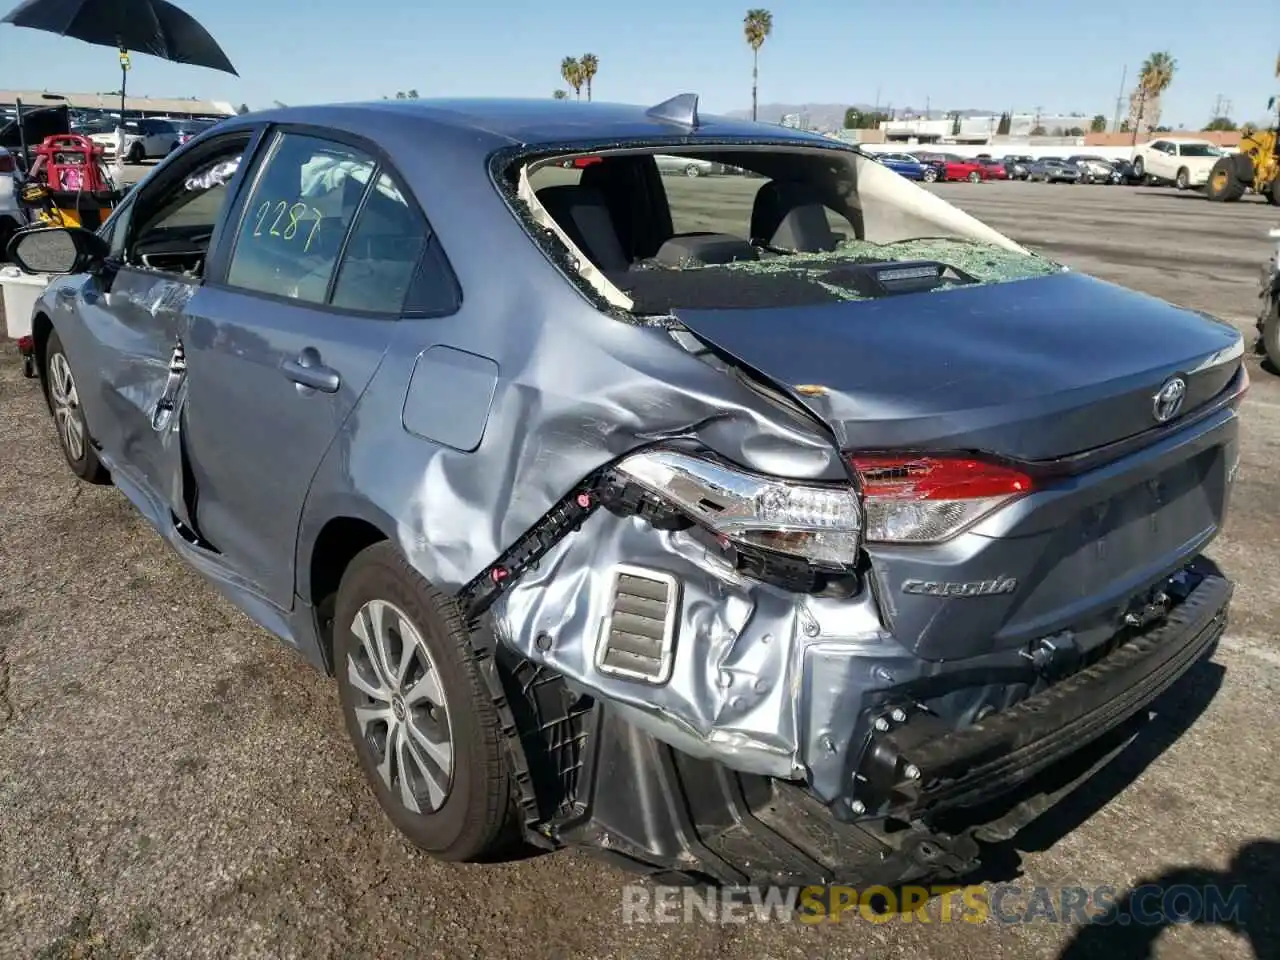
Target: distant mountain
{"x":825,"y":115}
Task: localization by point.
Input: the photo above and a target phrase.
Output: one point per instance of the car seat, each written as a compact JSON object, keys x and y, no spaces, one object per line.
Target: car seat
{"x":583,"y":215}
{"x":790,"y":215}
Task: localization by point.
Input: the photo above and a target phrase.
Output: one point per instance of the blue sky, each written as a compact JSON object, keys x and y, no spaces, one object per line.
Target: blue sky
{"x":999,"y":54}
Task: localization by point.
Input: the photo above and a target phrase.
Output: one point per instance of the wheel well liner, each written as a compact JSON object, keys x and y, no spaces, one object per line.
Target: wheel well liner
{"x":41,"y":330}
{"x":335,"y":547}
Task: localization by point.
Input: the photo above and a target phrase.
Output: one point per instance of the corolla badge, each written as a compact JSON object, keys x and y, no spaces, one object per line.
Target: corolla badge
{"x":971,"y":588}
{"x":1168,"y":399}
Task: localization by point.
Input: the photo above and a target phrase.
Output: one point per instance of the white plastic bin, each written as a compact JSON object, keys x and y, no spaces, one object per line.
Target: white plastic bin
{"x":21,"y":291}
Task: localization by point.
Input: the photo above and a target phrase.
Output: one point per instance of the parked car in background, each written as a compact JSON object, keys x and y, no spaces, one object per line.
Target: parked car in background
{"x":688,"y":166}
{"x":948,"y":166}
{"x":189,"y":129}
{"x":1095,"y":169}
{"x":1016,"y":166}
{"x":1124,"y":172}
{"x":902,"y":163}
{"x":11,"y":215}
{"x":1184,"y":163}
{"x":1053,"y":170}
{"x":146,"y":139}
{"x":993,"y":169}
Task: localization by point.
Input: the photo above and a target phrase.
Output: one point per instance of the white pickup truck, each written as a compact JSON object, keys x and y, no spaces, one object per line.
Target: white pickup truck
{"x":1184,"y":163}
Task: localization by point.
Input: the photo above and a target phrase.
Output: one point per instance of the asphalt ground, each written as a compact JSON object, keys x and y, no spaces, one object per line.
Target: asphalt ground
{"x":175,"y":782}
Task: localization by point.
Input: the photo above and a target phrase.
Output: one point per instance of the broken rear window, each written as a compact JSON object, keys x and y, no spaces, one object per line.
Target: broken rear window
{"x":755,"y":226}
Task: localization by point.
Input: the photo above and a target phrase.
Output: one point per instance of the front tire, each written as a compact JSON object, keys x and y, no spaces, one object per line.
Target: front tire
{"x":930,"y":175}
{"x":1224,"y":183}
{"x":692,"y":170}
{"x":68,"y":416}
{"x":136,"y":154}
{"x":1139,"y":170}
{"x":1183,"y":180}
{"x":975,"y":177}
{"x":418,"y":711}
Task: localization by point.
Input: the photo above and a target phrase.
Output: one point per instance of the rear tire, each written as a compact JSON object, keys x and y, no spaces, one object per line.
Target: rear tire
{"x":426,"y":731}
{"x":1271,"y":334}
{"x":975,"y":177}
{"x":930,"y":175}
{"x":68,"y":416}
{"x":136,"y":154}
{"x":1224,"y":183}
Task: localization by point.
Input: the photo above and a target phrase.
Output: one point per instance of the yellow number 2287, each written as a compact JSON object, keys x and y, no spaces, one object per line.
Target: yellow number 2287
{"x":294,"y":220}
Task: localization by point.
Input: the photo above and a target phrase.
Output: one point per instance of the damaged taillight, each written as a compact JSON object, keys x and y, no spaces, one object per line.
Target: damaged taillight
{"x":926,"y":499}
{"x":816,"y":522}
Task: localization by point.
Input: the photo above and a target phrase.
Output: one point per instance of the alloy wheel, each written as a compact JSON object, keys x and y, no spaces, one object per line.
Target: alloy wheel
{"x":66,"y":407}
{"x":401,"y":708}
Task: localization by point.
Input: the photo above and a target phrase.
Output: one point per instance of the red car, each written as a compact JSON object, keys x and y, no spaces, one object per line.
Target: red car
{"x":948,"y":166}
{"x":993,"y":169}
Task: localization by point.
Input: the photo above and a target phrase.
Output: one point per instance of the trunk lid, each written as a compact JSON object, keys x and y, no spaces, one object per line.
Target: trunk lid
{"x":1032,"y":369}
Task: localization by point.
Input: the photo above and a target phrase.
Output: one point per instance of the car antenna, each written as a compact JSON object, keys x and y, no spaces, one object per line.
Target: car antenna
{"x":681,"y":110}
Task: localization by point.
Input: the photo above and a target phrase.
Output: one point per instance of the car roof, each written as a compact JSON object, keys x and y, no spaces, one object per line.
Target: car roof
{"x":510,"y":122}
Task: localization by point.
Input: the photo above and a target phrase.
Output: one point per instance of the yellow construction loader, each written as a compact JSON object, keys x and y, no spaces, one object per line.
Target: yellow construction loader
{"x":1256,"y":166}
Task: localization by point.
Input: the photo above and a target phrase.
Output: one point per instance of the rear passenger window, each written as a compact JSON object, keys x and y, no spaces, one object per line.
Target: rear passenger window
{"x":298,"y":214}
{"x":382,"y":254}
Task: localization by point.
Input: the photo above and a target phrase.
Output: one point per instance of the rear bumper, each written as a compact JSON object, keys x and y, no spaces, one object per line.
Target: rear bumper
{"x":659,"y":810}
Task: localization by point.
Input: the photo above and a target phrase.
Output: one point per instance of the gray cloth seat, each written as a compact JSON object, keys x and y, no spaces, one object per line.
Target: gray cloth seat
{"x":583,"y":214}
{"x":790,"y":215}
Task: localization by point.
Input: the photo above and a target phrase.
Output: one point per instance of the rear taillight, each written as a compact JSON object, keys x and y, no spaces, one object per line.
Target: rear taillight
{"x":925,"y":499}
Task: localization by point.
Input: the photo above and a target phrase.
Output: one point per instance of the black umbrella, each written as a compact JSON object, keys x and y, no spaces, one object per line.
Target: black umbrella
{"x":156,"y":27}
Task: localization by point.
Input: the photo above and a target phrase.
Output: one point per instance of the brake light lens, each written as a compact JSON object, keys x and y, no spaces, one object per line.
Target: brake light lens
{"x":925,"y":499}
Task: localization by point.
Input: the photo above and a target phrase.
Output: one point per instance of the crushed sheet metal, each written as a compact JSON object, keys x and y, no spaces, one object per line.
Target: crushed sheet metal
{"x":737,"y":690}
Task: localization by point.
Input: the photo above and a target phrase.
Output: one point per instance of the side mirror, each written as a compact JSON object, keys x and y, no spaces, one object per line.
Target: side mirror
{"x":57,"y":250}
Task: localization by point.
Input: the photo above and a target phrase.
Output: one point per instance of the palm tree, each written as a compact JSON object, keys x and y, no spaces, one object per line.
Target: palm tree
{"x":571,"y":70}
{"x":559,"y":95}
{"x":588,"y":63}
{"x":1157,"y":73}
{"x":756,"y":25}
{"x":1154,"y":78}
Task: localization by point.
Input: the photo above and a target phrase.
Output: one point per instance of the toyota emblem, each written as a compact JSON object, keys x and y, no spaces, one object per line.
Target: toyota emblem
{"x":1168,"y":399}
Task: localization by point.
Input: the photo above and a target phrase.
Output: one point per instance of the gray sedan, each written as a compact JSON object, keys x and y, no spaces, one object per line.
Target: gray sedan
{"x":1054,"y":170}
{"x":751,"y":542}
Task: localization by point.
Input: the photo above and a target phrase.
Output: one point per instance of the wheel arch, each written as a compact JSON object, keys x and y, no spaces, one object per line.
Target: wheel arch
{"x":324,"y":557}
{"x":41,"y":331}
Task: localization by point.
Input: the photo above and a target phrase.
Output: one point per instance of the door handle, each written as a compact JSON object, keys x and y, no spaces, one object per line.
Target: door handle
{"x":307,"y":371}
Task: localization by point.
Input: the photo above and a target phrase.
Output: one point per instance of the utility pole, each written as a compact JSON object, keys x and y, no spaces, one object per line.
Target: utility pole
{"x":926,"y":108}
{"x":1124,"y":75}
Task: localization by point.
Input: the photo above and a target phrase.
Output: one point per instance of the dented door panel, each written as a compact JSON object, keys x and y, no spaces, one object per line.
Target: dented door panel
{"x":132,"y":333}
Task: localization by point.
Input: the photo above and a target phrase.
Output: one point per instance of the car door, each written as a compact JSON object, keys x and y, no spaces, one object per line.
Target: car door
{"x":282,"y":346}
{"x":1158,"y":159}
{"x":131,"y":314}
